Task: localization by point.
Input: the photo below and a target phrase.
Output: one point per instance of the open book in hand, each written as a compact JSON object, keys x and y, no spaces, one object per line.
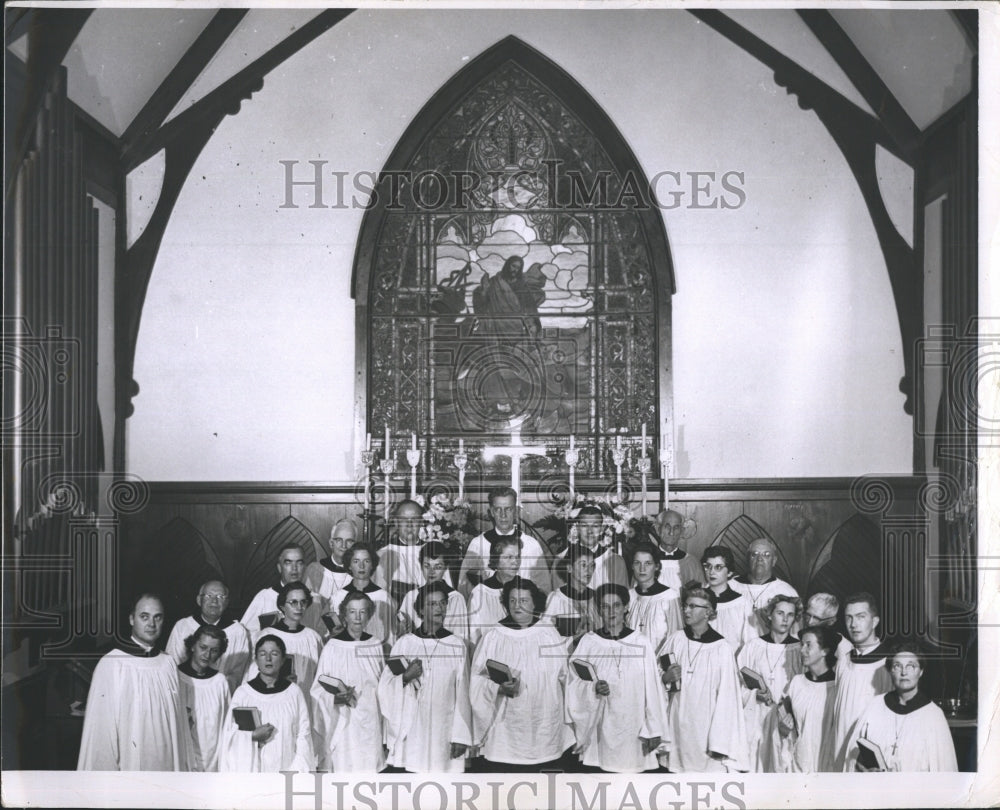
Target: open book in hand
{"x":584,"y":670}
{"x":269,"y":619}
{"x":499,"y":672}
{"x":247,"y":718}
{"x":752,"y":679}
{"x":870,"y":756}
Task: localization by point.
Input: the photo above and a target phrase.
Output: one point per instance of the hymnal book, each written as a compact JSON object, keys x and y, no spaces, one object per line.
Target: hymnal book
{"x":584,"y":669}
{"x":752,"y":679}
{"x":568,"y":625}
{"x":247,"y":718}
{"x":397,"y":665}
{"x":870,"y":755}
{"x":288,"y":669}
{"x":333,"y":685}
{"x":333,"y":624}
{"x":269,"y":619}
{"x":665,"y":662}
{"x":500,"y":673}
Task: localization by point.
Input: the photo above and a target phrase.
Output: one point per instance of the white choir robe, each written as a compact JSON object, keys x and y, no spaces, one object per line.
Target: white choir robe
{"x":859,"y":679}
{"x":204,"y":702}
{"x":234,"y":661}
{"x":303,"y":647}
{"x":326,"y":577}
{"x":759,"y":596}
{"x":731,"y":620}
{"x":812,"y":706}
{"x":777,"y":664}
{"x":349,"y":738}
{"x":914,"y":737}
{"x":534,"y":562}
{"x":656,"y":613}
{"x":608,"y":728}
{"x":133,"y":720}
{"x":608,"y":567}
{"x":530,"y":728}
{"x":679,"y":568}
{"x":422,"y":719}
{"x":456,"y":617}
{"x":561,"y":603}
{"x":706,"y":713}
{"x":380,"y":624}
{"x":485,"y":608}
{"x":266,"y":601}
{"x":290,"y":749}
{"x":401,"y":564}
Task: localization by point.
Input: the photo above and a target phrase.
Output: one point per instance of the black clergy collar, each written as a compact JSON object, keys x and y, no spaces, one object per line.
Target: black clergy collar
{"x":224,"y":621}
{"x":507,"y":621}
{"x":258,"y":685}
{"x":345,"y":636}
{"x":877,"y":655}
{"x":728,"y":595}
{"x":789,"y":639}
{"x":625,"y":633}
{"x":284,"y":628}
{"x":676,"y":554}
{"x":492,"y":535}
{"x":744,"y":580}
{"x":829,"y":675}
{"x":493,"y":582}
{"x":707,"y":637}
{"x":371,"y":587}
{"x":441,"y":632}
{"x":583,"y":594}
{"x":188,"y":670}
{"x":656,"y":588}
{"x":137,"y":650}
{"x":330,"y":565}
{"x":277,"y":588}
{"x":918,"y":701}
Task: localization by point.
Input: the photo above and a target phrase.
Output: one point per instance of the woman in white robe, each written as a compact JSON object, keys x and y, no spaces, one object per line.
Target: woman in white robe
{"x":573,"y":603}
{"x":363,"y":562}
{"x":654,"y":609}
{"x":349,"y":734}
{"x":775,"y":657}
{"x":485,"y":608}
{"x":302,"y":644}
{"x":203,"y":694}
{"x":620,"y":718}
{"x":283,"y":740}
{"x":425,"y":710}
{"x":808,"y":728}
{"x":732,"y":609}
{"x":434,"y":566}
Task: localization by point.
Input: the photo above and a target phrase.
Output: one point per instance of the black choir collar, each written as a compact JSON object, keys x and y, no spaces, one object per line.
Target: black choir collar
{"x":330,"y":565}
{"x":284,"y":628}
{"x":188,"y":670}
{"x":789,"y":639}
{"x":493,"y":582}
{"x":371,"y":587}
{"x":224,"y":621}
{"x":507,"y":621}
{"x":707,"y":637}
{"x":137,"y":650}
{"x":728,"y":595}
{"x":874,"y":657}
{"x":277,"y":588}
{"x":584,"y":594}
{"x":258,"y":685}
{"x":345,"y":636}
{"x":743,"y":580}
{"x":655,"y":589}
{"x":677,"y":554}
{"x":827,"y":676}
{"x":625,"y":633}
{"x":492,"y":535}
{"x":918,"y":701}
{"x":441,"y":632}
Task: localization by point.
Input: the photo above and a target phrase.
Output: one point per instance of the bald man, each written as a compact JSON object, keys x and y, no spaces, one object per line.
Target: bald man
{"x":760,"y":585}
{"x":399,"y":570}
{"x":677,"y":567}
{"x":291,"y":567}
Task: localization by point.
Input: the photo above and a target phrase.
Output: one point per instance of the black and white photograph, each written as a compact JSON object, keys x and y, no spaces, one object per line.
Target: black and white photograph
{"x":493,"y":405}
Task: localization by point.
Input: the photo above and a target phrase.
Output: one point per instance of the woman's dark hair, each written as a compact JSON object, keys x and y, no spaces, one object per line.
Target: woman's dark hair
{"x":720,"y":551}
{"x":828,"y":640}
{"x":611,"y":589}
{"x":269,"y":637}
{"x":211,"y":631}
{"x":648,"y":548}
{"x":521,"y":584}
{"x":426,"y":590}
{"x":359,"y":546}
{"x":498,"y":545}
{"x":293,"y":586}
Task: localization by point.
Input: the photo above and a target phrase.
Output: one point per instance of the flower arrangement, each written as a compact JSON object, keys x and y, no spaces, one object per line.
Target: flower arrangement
{"x":447,"y":521}
{"x":621,"y":527}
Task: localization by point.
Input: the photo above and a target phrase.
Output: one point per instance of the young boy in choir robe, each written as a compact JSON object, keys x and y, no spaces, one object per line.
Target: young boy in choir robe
{"x":363,"y":562}
{"x":574,"y":602}
{"x":608,"y":565}
{"x":212,"y":601}
{"x":534,"y":560}
{"x":485,"y":607}
{"x":911,"y":731}
{"x":775,"y":657}
{"x":619,"y":719}
{"x":283,"y":740}
{"x":707,"y":729}
{"x":329,"y":575}
{"x":399,"y":569}
{"x":302,"y":644}
{"x":861,"y":675}
{"x":291,"y":568}
{"x":519,"y":725}
{"x":348,"y":732}
{"x":732,"y":608}
{"x":808,"y":728}
{"x":654,"y":609}
{"x":425,"y":709}
{"x":433,"y":565}
{"x":760,"y":585}
{"x":676,"y":565}
{"x":204,"y":697}
{"x":133,"y":718}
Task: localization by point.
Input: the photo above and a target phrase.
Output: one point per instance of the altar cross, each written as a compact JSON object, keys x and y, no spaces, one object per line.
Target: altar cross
{"x":516,"y":450}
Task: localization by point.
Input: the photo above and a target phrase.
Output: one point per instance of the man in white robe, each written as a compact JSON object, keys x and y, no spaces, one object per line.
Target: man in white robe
{"x":133,"y":717}
{"x":399,"y":570}
{"x":761,"y":585}
{"x":291,"y":568}
{"x":212,"y":601}
{"x":677,"y":567}
{"x":329,"y":575}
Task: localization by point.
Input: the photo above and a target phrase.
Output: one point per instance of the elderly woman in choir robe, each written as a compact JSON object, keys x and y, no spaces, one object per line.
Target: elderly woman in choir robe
{"x":654,"y":609}
{"x":910,"y":730}
{"x":485,"y":609}
{"x":615,"y":700}
{"x":519,"y":723}
{"x":434,"y":565}
{"x":283,"y":740}
{"x":705,"y":712}
{"x":732,"y":607}
{"x":362,"y":561}
{"x":302,"y":644}
{"x":773,"y":656}
{"x":808,"y":726}
{"x":328,"y":576}
{"x":203,"y":694}
{"x":571,"y":607}
{"x":425,"y":707}
{"x":348,"y":727}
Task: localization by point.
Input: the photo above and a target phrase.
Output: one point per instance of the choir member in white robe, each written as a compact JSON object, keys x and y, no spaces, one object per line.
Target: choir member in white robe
{"x":302,"y":644}
{"x":732,"y":608}
{"x":425,"y":710}
{"x":590,"y":529}
{"x":204,"y":697}
{"x":775,"y":657}
{"x":861,"y":675}
{"x":534,"y":559}
{"x":485,"y":608}
{"x":760,"y":585}
{"x":133,"y":720}
{"x":654,"y":608}
{"x":291,"y":568}
{"x":822,"y":610}
{"x":349,"y":734}
{"x":571,"y":608}
{"x":212,"y":601}
{"x":520,"y":725}
{"x":905,"y":724}
{"x":399,"y":562}
{"x":707,"y":729}
{"x":808,"y":728}
{"x":434,"y":565}
{"x":283,"y":740}
{"x":329,"y":575}
{"x":363,"y":562}
{"x":619,"y":719}
{"x":676,"y":565}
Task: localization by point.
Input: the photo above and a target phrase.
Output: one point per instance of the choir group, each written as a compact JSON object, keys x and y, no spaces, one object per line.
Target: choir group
{"x":374,"y":660}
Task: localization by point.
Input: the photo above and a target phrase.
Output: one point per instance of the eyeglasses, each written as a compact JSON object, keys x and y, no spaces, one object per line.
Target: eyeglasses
{"x":673,"y":529}
{"x":812,"y":618}
{"x":761,"y":554}
{"x":908,"y":667}
{"x":716,"y":567}
{"x":693,"y":605}
{"x":297,"y":602}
